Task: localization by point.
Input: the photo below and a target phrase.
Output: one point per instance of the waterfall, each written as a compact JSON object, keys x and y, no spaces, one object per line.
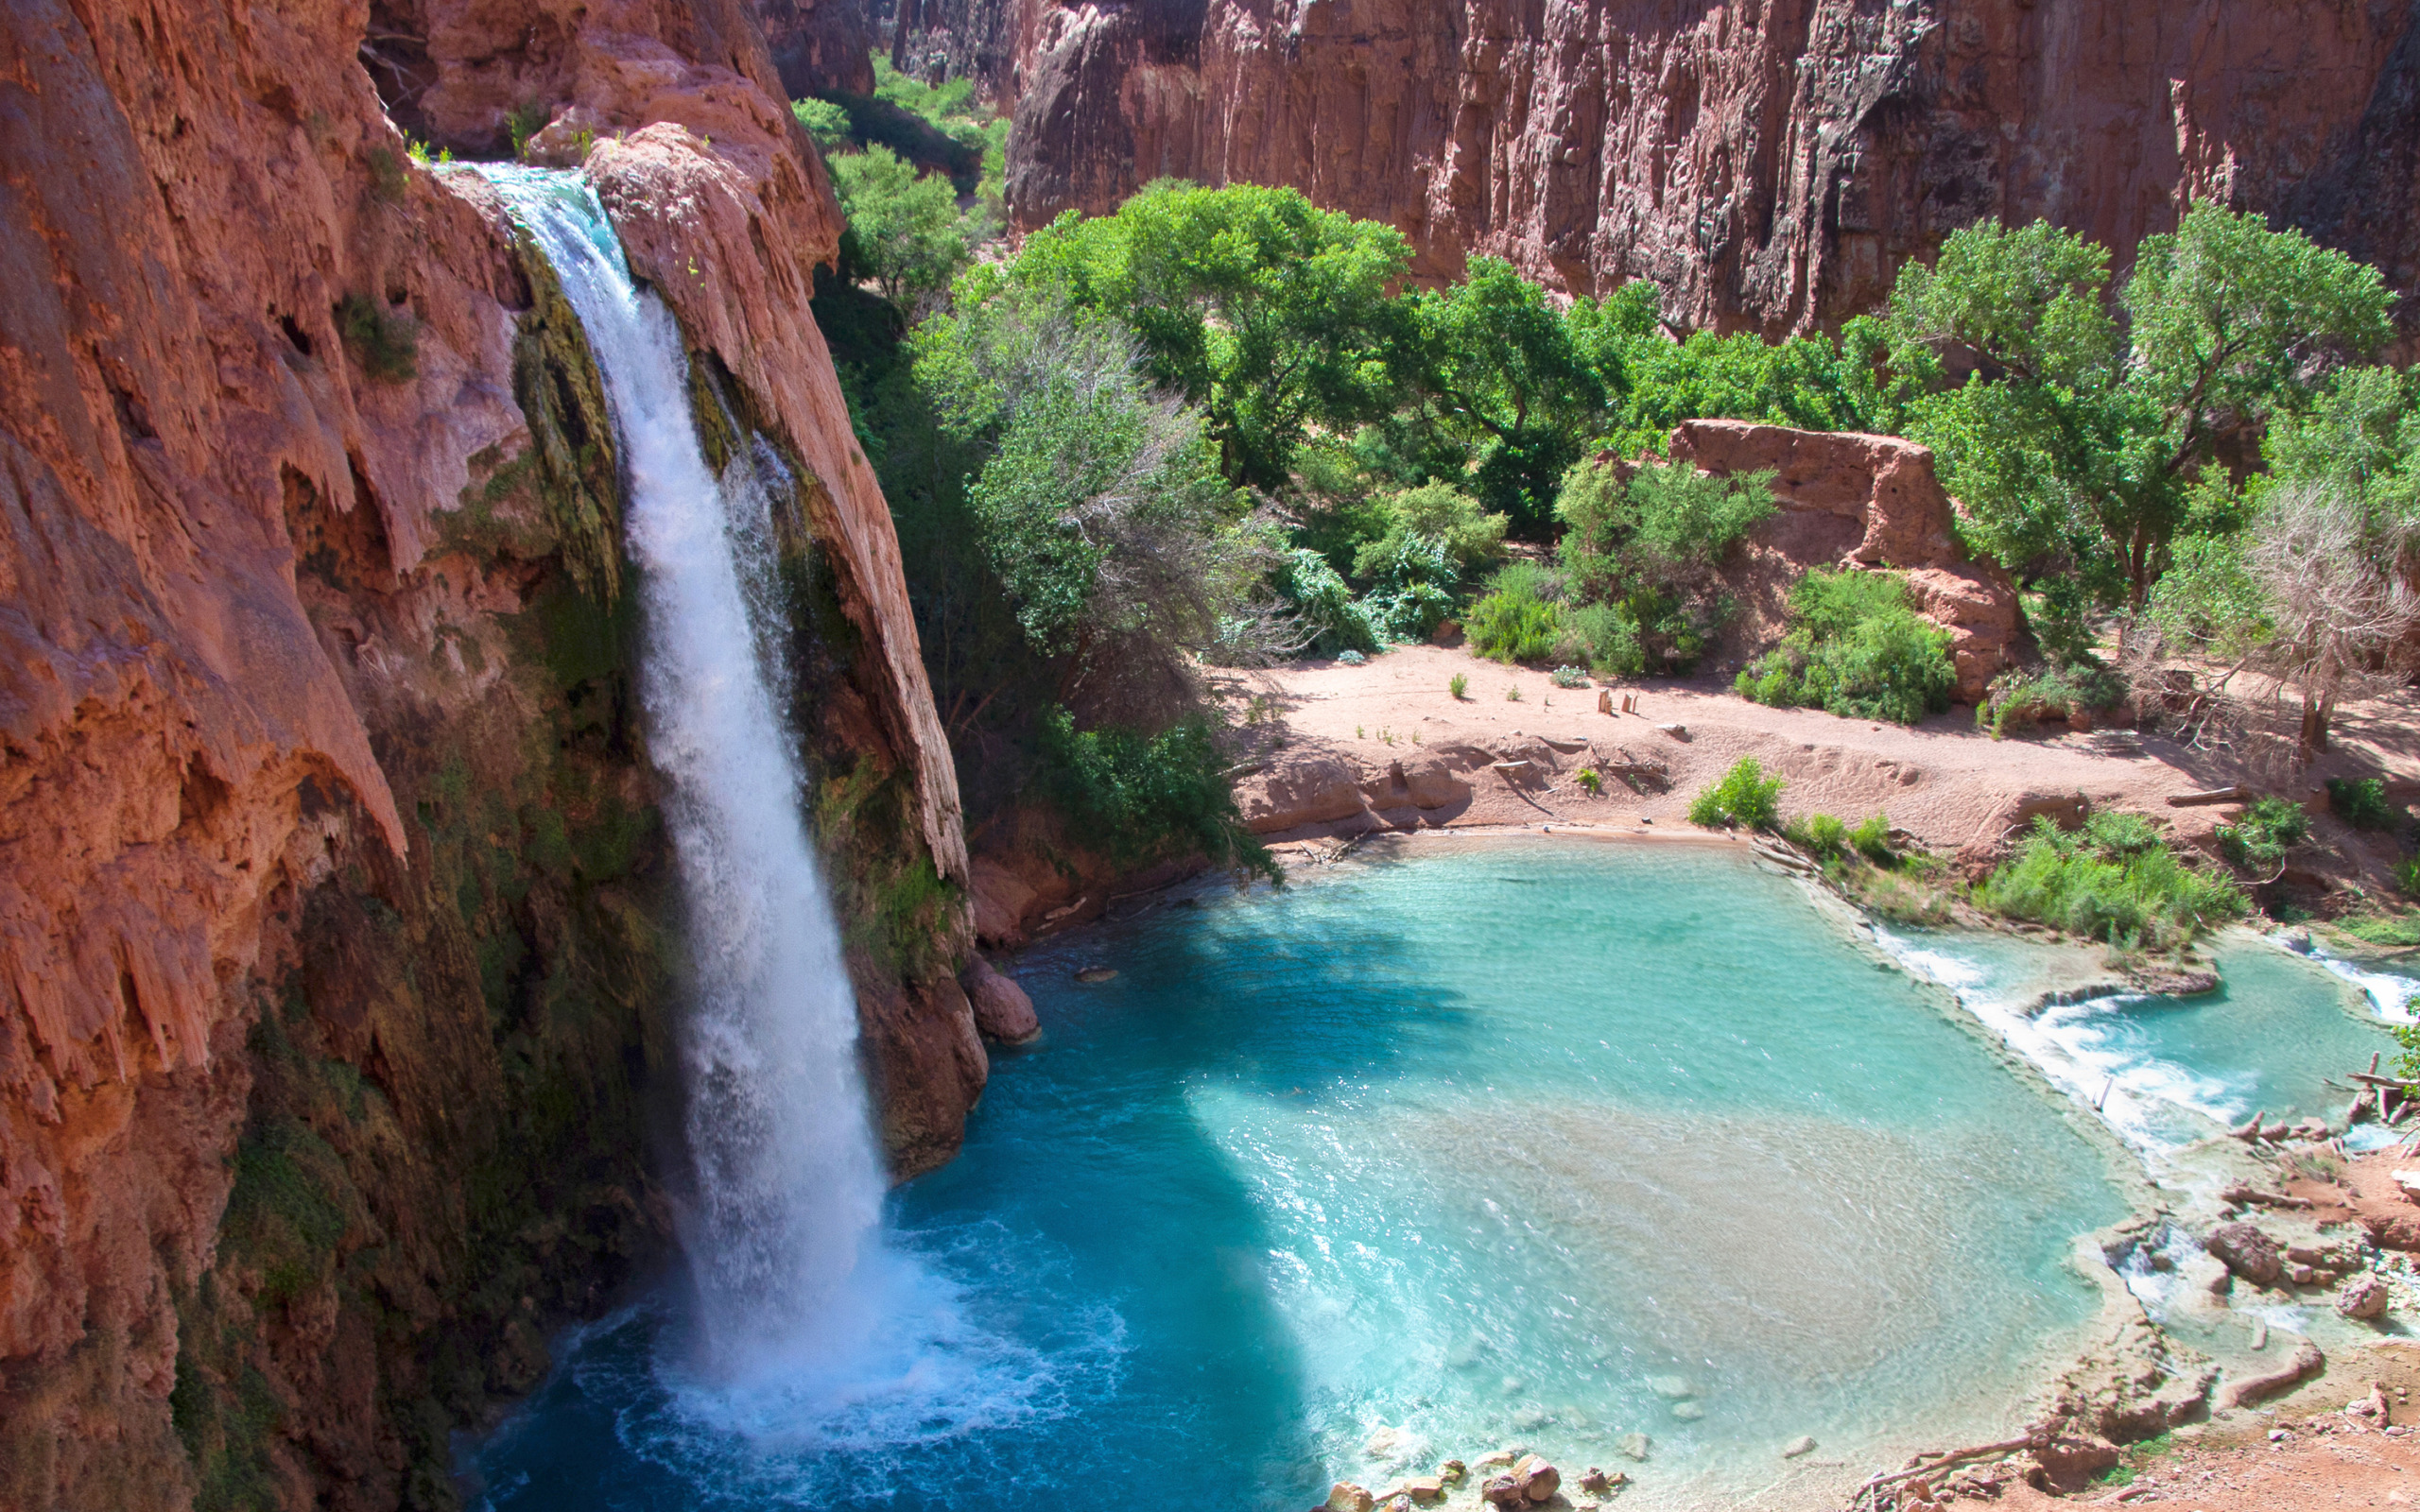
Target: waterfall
{"x":783,"y":1231}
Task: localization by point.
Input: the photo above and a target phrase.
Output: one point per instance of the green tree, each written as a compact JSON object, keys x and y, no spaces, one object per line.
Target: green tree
{"x":1497,"y":362}
{"x":1269,"y":313}
{"x":2076,"y":438}
{"x":905,"y":229}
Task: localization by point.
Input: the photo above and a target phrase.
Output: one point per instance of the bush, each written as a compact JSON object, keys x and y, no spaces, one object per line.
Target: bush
{"x":1745,"y":796}
{"x":1143,"y":795}
{"x":2259,"y":840}
{"x":1856,"y":649}
{"x":1871,"y":838}
{"x":1514,"y":622}
{"x":1818,"y":834}
{"x":2016,"y":699}
{"x":1567,"y":677}
{"x":2115,"y":880}
{"x":1325,"y":603}
{"x":1470,"y":537}
{"x":2362,"y":802}
{"x":386,"y":344}
{"x":1459,"y":686}
{"x":2407,"y":876}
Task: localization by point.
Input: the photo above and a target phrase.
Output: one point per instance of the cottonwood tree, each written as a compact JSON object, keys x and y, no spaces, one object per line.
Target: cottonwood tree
{"x":2079,"y":436}
{"x":2319,"y":589}
{"x":1101,"y":507}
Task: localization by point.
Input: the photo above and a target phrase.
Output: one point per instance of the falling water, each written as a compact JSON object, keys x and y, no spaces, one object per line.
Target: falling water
{"x":786,"y":1218}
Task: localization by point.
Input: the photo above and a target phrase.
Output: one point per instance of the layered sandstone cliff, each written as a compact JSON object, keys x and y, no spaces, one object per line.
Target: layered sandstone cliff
{"x":1769,"y":164}
{"x":336,"y":954}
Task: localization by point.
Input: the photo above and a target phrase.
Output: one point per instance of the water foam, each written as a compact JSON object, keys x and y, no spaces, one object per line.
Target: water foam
{"x":809,"y":1329}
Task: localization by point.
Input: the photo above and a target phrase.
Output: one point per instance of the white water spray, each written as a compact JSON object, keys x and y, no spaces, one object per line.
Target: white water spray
{"x":789,"y":1201}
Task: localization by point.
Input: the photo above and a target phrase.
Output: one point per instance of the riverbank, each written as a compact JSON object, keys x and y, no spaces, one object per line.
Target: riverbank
{"x":1337,"y":750}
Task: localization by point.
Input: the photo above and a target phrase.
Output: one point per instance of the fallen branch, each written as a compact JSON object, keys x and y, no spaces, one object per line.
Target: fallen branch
{"x":2204,"y":799}
{"x":1869,"y":1496}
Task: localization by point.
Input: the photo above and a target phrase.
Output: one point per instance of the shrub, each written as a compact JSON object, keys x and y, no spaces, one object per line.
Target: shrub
{"x":2259,"y":840}
{"x":1567,"y":677}
{"x":1818,"y":834}
{"x":1459,"y":686}
{"x":1856,"y":649}
{"x":2362,"y":802}
{"x":1143,"y":795}
{"x":386,"y":344}
{"x":1469,"y":536}
{"x":2407,"y":876}
{"x":1745,"y":796}
{"x":1871,"y":838}
{"x":2115,"y":880}
{"x":1325,"y":602}
{"x":1588,"y":778}
{"x":1351,"y":659}
{"x":2016,"y":699}
{"x":1514,"y":622}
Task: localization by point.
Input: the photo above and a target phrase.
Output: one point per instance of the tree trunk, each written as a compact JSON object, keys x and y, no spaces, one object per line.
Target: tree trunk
{"x":2318,"y":709}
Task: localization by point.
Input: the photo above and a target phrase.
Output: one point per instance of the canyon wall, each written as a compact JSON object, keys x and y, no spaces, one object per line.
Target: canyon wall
{"x":339,"y":947}
{"x":1770,"y":163}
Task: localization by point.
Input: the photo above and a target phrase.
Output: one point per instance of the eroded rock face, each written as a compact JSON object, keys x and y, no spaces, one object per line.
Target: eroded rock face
{"x":1857,"y":500}
{"x":1769,"y":164}
{"x":335,"y":968}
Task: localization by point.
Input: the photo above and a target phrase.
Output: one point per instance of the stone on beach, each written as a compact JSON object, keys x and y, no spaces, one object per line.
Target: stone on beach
{"x":1537,"y":1479}
{"x":2248,"y":1252}
{"x":1497,"y":1459}
{"x":2363,"y":1298}
{"x":1503,"y":1490}
{"x":1346,"y":1497}
{"x":1423,"y":1488}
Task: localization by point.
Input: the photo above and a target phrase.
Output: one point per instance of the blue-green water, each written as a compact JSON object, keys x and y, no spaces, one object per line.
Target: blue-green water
{"x":1474,"y":1143}
{"x":2163,"y":1070}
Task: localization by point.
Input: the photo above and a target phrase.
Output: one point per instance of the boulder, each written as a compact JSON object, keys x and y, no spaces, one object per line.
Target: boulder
{"x":1002,"y":1009}
{"x":1497,"y":1459}
{"x":1537,"y":1479}
{"x":1503,"y":1490}
{"x":2248,"y":1252}
{"x":2363,"y":1298}
{"x":1294,"y":791}
{"x":1346,"y":1497}
{"x":1001,"y":898}
{"x":1453,"y":1472}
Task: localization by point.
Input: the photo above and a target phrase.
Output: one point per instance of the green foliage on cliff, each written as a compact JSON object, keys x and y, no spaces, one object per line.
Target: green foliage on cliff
{"x":1143,"y":796}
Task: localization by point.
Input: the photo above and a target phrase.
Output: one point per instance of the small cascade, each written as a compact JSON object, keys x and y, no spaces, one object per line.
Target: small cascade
{"x":785,"y":1223}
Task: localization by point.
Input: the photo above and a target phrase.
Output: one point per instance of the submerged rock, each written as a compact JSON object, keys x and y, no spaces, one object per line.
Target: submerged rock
{"x":1671,"y":1387}
{"x":1803,"y":1444}
{"x":1634,"y":1446}
{"x":1096,"y":973}
{"x":1688,"y":1412}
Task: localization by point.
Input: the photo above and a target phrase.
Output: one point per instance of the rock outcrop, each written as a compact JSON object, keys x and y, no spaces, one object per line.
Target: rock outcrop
{"x":1770,"y":165}
{"x":334,"y":974}
{"x":1857,"y":501}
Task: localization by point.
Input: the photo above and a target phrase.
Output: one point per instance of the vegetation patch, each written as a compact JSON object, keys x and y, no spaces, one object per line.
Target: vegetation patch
{"x":2259,"y":841}
{"x":1857,"y":648}
{"x":1744,"y":796}
{"x":385,"y":343}
{"x":1147,"y":796}
{"x":2115,"y":880}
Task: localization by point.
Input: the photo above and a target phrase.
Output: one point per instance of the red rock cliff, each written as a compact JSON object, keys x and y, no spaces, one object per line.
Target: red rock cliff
{"x":335,"y":980}
{"x":1769,"y":163}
